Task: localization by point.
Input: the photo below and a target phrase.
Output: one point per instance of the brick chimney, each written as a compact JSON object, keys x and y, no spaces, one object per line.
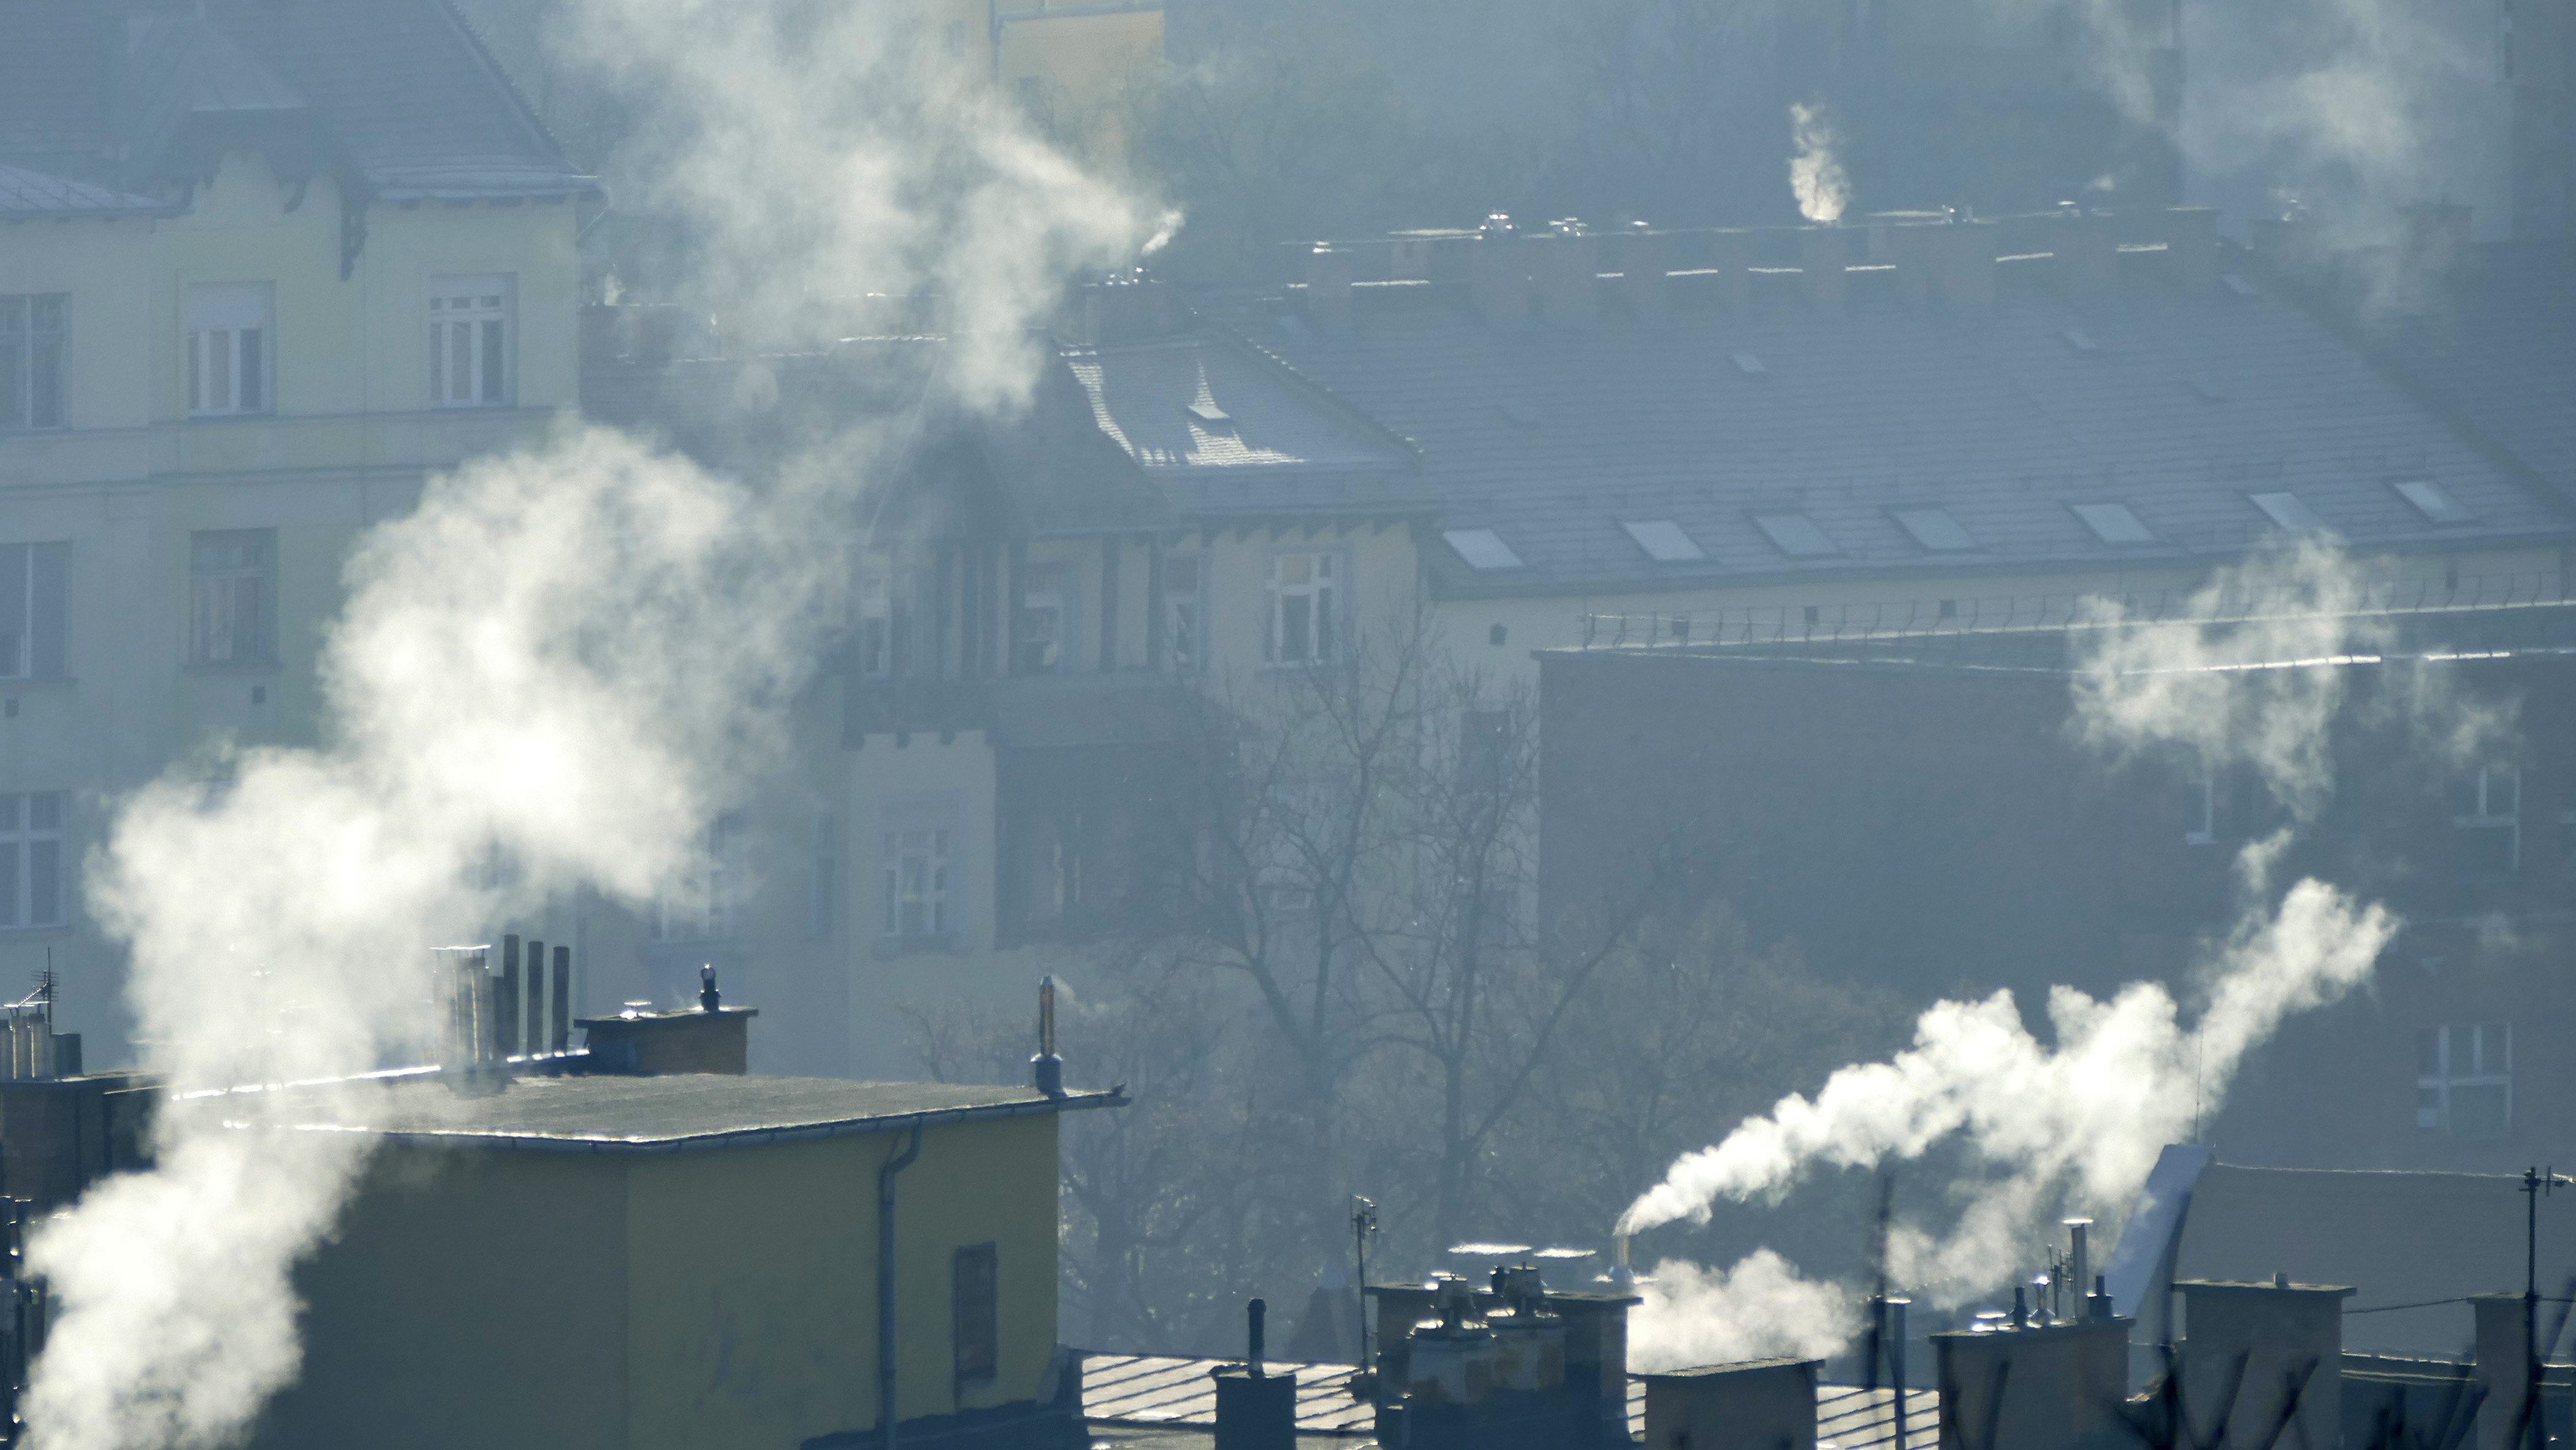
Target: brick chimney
{"x":1823,"y":252}
{"x":2036,"y":1385}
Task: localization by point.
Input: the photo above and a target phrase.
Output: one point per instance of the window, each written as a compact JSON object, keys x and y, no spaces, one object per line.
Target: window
{"x":232,"y":597}
{"x":2464,"y":1079}
{"x":34,"y":332}
{"x":32,"y":588}
{"x":916,"y":885}
{"x":2288,"y":510}
{"x":469,"y":341}
{"x":1750,"y":365}
{"x":1039,"y":637}
{"x":1186,"y":620}
{"x":1304,"y":629}
{"x":706,"y":903}
{"x":1665,"y":542}
{"x":31,"y":859}
{"x":976,"y":1315}
{"x":229,"y":332}
{"x":1795,"y":535}
{"x":873,"y":625}
{"x":2486,"y":814}
{"x":2113,"y":523}
{"x":2433,"y":502}
{"x":1482,"y":549}
{"x":820,"y":915}
{"x":1934,"y":529}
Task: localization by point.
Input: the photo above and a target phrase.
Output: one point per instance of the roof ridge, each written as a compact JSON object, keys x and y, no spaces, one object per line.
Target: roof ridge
{"x":521,"y":109}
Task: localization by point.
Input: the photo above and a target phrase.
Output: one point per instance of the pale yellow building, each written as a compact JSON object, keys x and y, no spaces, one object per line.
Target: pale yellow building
{"x":264,"y":266}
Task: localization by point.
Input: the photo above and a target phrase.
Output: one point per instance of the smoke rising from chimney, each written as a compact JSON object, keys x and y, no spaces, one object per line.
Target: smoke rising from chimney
{"x":2074,"y":1124}
{"x":1815,"y":176}
{"x":576,"y":655}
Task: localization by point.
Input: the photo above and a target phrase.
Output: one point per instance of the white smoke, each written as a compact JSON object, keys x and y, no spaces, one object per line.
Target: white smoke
{"x":576,"y":655}
{"x":2073,"y":1124}
{"x":1815,"y":176}
{"x":1757,"y":1309}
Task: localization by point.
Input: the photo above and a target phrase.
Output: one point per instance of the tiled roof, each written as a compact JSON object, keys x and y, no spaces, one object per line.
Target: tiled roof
{"x":1224,"y":431}
{"x":401,"y":90}
{"x":1166,"y":1390}
{"x":2499,"y":350}
{"x":25,"y":193}
{"x":2003,"y":418}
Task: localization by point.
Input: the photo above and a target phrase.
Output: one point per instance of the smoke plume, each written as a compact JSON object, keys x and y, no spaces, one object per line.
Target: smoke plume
{"x":574,"y":655}
{"x":1815,"y":176}
{"x":1757,"y":1309}
{"x":2072,"y":1124}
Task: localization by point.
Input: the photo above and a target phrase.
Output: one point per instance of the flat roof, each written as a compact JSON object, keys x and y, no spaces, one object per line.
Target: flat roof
{"x":609,"y":1113}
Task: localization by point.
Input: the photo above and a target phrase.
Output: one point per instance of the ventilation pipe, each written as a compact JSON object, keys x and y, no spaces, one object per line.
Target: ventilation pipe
{"x":1046,"y":1070}
{"x":2079,"y":1264}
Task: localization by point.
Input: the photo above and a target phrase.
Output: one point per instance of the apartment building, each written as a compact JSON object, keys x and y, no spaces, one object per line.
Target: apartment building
{"x":264,"y":267}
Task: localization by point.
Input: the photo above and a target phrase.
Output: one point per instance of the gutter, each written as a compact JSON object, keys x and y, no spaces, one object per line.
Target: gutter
{"x":900,"y":1122}
{"x":885,"y":1283}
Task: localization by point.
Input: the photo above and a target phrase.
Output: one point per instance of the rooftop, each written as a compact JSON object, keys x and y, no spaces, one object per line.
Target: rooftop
{"x":606,"y":1113}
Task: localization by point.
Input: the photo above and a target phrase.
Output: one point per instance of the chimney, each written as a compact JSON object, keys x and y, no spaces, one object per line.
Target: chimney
{"x":1761,"y":1404}
{"x":461,"y":980}
{"x":1730,"y":256}
{"x":2079,"y":1268}
{"x":1917,"y":244}
{"x":1967,"y":275}
{"x":2087,"y":265}
{"x":1645,"y":258}
{"x":1566,"y":265}
{"x":2503,"y":1369}
{"x":1255,"y":1410}
{"x":2191,"y":238}
{"x":706,"y":1038}
{"x":1823,"y":253}
{"x":2282,"y":1343}
{"x":1126,"y":307}
{"x":1330,"y":271}
{"x":1046,"y":1070}
{"x":2036,"y":1388}
{"x":1498,"y":274}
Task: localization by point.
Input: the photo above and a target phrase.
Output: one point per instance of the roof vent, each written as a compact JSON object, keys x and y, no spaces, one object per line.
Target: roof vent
{"x":1665,"y":542}
{"x":1210,"y":415}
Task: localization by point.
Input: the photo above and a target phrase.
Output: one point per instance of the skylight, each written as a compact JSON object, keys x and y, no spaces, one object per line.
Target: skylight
{"x":2288,"y":510}
{"x":2080,"y":340}
{"x":1482,"y":549}
{"x":1934,"y":529}
{"x":1664,"y":541}
{"x":1795,"y":535}
{"x":1210,"y":415}
{"x":2435,"y":504}
{"x":1749,"y":365}
{"x":2237,"y":285}
{"x":2112,"y":523}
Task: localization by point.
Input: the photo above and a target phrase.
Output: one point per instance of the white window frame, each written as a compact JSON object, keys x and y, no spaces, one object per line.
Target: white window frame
{"x":1318,"y":597}
{"x":917,"y":870}
{"x":35,"y":360}
{"x":1046,"y":591}
{"x":1185,"y":613}
{"x":32,"y":857}
{"x":216,"y":635}
{"x":473,"y":340}
{"x":2495,"y":793}
{"x":2443,"y":1068}
{"x":232,"y":349}
{"x":39,"y":608}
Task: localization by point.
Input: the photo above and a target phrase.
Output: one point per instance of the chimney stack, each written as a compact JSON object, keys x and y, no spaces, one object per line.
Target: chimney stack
{"x":1762,"y":1404}
{"x":2191,"y":237}
{"x":2087,"y":265}
{"x":1255,"y":1410}
{"x":1730,"y":256}
{"x":2282,"y":1342}
{"x":1498,"y":274}
{"x":1330,"y":271}
{"x":2079,"y":1265}
{"x":1822,"y":255}
{"x":1046,"y":1070}
{"x":1645,"y":259}
{"x":1565,"y":261}
{"x":1968,"y":263}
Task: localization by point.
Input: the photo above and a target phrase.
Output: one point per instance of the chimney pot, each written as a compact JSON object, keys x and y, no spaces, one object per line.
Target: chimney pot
{"x":709,"y":999}
{"x":1046,"y":1070}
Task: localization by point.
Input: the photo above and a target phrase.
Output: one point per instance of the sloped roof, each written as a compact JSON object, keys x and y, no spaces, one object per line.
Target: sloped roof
{"x":2499,"y":352}
{"x":402,"y":91}
{"x":1224,"y":431}
{"x":2179,"y":408}
{"x":26,"y":193}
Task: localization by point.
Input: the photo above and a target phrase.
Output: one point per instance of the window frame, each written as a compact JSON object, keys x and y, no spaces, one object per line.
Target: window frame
{"x":1325,"y":629}
{"x":261,"y":651}
{"x":2439,"y":1079}
{"x":934,"y":847}
{"x":1054,"y":582}
{"x":21,"y":339}
{"x":21,"y":841}
{"x":708,"y":902}
{"x":37,"y":651}
{"x":234,"y":323}
{"x":1185,"y":614}
{"x":479,"y":302}
{"x":2485,"y":817}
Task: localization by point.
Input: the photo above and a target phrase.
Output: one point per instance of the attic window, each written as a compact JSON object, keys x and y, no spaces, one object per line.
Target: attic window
{"x":1749,"y":365}
{"x":1934,"y":529}
{"x":2112,"y":523}
{"x":2080,"y":340}
{"x":1482,"y":549}
{"x":1795,"y":535}
{"x":1664,"y":541}
{"x":1212,"y":416}
{"x":2236,"y":284}
{"x":2434,"y":503}
{"x":2288,"y":510}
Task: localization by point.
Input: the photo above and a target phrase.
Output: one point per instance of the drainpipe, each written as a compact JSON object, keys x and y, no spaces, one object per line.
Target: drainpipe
{"x":885,"y":1280}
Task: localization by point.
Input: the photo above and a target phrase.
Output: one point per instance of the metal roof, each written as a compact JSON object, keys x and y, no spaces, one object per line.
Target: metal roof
{"x":2184,"y":408}
{"x":1168,"y":1391}
{"x":610,"y":1113}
